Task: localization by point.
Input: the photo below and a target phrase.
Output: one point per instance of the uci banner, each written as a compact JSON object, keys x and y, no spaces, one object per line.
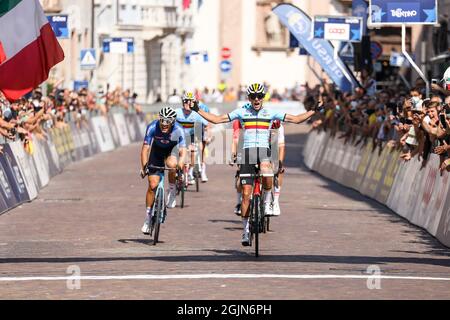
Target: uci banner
{"x":300,"y":25}
{"x":396,"y":12}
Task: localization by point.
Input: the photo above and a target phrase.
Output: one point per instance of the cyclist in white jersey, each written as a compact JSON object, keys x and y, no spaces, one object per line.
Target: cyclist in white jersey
{"x":256,"y":122}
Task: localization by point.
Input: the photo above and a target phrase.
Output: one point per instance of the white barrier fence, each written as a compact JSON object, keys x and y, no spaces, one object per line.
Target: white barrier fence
{"x":24,"y":171}
{"x":421,"y":195}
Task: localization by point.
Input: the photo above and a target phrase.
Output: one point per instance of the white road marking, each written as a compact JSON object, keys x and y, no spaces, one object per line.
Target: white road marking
{"x":221,"y":276}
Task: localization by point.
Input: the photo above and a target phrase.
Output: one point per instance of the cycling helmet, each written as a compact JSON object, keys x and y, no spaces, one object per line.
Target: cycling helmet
{"x":168,"y":114}
{"x":189,"y":95}
{"x":256,"y":88}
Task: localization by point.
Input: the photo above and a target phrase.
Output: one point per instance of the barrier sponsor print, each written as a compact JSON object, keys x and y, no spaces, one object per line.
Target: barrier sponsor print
{"x":6,"y":189}
{"x":41,"y":163}
{"x":122,"y":131}
{"x":419,"y":194}
{"x":103,"y":134}
{"x":14,"y":175}
{"x":25,"y":170}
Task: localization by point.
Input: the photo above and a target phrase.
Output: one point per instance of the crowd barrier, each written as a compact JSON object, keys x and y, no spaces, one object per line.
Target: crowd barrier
{"x":25,"y":171}
{"x":419,"y":194}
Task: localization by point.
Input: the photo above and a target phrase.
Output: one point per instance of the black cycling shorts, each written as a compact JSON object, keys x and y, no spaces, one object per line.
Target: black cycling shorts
{"x":158,"y":157}
{"x":250,"y":158}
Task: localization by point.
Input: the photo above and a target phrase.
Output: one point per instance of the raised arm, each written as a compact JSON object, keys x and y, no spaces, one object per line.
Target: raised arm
{"x":299,"y":118}
{"x":211,"y":117}
{"x":214,"y":118}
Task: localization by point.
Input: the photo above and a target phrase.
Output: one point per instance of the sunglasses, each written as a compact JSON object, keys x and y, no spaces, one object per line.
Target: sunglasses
{"x":253,"y":96}
{"x":187,"y":101}
{"x":166,"y":122}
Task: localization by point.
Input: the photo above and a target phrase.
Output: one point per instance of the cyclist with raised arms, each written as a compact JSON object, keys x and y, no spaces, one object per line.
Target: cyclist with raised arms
{"x":188,"y":120}
{"x":161,"y":139}
{"x":256,"y":122}
{"x":277,"y":125}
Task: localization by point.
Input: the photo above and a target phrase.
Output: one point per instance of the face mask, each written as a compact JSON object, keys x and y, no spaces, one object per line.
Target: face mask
{"x":338,"y":108}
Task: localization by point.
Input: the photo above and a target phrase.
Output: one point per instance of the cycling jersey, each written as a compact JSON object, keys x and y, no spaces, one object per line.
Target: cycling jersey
{"x":256,"y":125}
{"x":188,"y":121}
{"x":155,"y":137}
{"x":276,"y":125}
{"x":203,"y":107}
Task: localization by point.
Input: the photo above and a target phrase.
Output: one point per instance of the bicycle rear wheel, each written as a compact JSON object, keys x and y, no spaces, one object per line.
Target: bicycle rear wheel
{"x":182,"y":196}
{"x":197,"y":178}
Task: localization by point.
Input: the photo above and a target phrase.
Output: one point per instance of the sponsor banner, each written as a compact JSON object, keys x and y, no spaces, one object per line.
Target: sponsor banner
{"x":6,"y":184}
{"x":59,"y":141}
{"x":122,"y":131}
{"x":132,"y":127}
{"x":389,"y":172}
{"x":443,"y":232}
{"x":364,"y":164}
{"x":102,"y":134}
{"x":53,"y":158}
{"x":300,"y":25}
{"x":3,"y":205}
{"x":395,"y":12}
{"x":114,"y":131}
{"x":431,"y":199}
{"x":79,"y":154}
{"x":40,"y":161}
{"x":14,"y":174}
{"x":25,"y":168}
{"x":338,"y":28}
{"x":94,"y":146}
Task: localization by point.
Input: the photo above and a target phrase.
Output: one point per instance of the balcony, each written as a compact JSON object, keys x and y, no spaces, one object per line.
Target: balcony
{"x":162,"y":14}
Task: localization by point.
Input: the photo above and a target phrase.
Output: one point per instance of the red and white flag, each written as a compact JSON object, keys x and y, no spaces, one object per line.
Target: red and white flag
{"x":28,"y":47}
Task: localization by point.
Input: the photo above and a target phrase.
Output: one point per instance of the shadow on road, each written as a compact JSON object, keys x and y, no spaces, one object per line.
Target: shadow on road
{"x":243,"y":256}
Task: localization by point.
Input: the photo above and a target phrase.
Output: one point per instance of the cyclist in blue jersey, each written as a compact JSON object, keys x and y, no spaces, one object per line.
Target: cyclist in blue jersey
{"x":256,"y":122}
{"x":162,"y":139}
{"x":194,"y":124}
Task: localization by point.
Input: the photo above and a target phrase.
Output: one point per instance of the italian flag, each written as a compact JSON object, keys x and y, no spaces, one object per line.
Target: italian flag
{"x":28,"y":47}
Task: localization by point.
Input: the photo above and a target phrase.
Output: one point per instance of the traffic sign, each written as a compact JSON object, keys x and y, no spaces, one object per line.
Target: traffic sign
{"x":376,"y":50}
{"x":347,"y":53}
{"x":226,"y":66}
{"x":225,"y":53}
{"x":88,"y":59}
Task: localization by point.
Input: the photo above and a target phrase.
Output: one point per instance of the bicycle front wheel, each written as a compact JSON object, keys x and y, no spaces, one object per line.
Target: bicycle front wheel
{"x":158,"y":216}
{"x":256,"y":226}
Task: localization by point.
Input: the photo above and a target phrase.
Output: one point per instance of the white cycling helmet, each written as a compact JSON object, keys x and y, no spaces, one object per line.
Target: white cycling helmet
{"x":256,"y":88}
{"x":168,"y":114}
